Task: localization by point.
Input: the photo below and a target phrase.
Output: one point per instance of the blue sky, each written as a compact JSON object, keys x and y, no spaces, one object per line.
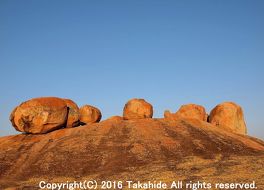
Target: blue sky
{"x":104,"y":53}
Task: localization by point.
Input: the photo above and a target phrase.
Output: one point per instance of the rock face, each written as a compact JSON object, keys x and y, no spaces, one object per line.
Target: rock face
{"x":40,"y":115}
{"x":137,"y":109}
{"x":228,"y":115}
{"x":73,"y":114}
{"x":115,"y":118}
{"x":193,"y":111}
{"x":89,"y":114}
{"x":135,"y":150}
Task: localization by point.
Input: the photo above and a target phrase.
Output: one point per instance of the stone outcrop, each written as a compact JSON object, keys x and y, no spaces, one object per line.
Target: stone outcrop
{"x":73,"y":114}
{"x":137,"y":109}
{"x":115,"y":118}
{"x":131,"y":149}
{"x":40,"y":115}
{"x":46,"y":114}
{"x":89,"y":114}
{"x":192,"y":111}
{"x":228,"y":115}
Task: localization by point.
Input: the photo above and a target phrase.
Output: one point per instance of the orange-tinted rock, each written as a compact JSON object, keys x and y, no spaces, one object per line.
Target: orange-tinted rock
{"x":169,"y":115}
{"x":11,"y":118}
{"x":229,"y":115}
{"x":192,"y":111}
{"x":132,"y":149}
{"x":115,"y":118}
{"x":73,"y":114}
{"x":40,"y":115}
{"x":137,"y":109}
{"x":89,"y":114}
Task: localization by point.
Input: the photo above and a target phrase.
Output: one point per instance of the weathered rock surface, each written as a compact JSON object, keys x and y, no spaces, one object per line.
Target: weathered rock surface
{"x":192,"y":111}
{"x":143,"y":150}
{"x":137,"y":109}
{"x":115,"y":118}
{"x":40,"y":115}
{"x":89,"y":114}
{"x":228,"y":115}
{"x":73,"y":114}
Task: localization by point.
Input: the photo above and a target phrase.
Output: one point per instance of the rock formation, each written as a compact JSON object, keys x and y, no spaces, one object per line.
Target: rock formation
{"x":40,"y":115}
{"x":73,"y":114}
{"x":115,"y":118}
{"x":89,"y":114}
{"x":228,"y":115}
{"x":137,"y":109}
{"x":142,"y":149}
{"x":188,"y":111}
{"x":46,"y":114}
{"x":181,"y":146}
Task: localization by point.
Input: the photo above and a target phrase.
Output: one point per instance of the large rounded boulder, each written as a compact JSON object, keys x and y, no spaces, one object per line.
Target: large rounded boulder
{"x":89,"y":114}
{"x":40,"y":115}
{"x":191,"y":111}
{"x":229,"y":115}
{"x":137,"y":109}
{"x":73,"y":114}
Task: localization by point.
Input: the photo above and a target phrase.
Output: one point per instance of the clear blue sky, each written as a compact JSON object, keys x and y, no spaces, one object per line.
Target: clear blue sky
{"x":105,"y":52}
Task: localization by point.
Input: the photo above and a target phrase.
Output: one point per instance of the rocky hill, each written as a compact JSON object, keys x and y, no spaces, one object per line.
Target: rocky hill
{"x":64,"y":143}
{"x":140,"y":149}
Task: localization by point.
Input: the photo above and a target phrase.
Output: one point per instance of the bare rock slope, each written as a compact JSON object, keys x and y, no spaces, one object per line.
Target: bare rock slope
{"x":144,"y":149}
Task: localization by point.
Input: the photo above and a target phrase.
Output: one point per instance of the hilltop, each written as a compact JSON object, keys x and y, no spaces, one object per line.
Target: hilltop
{"x":139,"y":149}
